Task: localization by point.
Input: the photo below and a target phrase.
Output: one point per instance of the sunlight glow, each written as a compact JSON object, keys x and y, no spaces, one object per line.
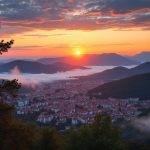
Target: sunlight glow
{"x":78,"y":52}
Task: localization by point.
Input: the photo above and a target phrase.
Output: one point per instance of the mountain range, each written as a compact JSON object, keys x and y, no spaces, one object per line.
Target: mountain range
{"x":133,"y":87}
{"x":106,"y":59}
{"x":36,"y":67}
{"x":141,"y":57}
{"x":119,"y":72}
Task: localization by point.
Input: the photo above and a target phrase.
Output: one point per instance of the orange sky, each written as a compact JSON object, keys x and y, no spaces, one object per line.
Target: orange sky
{"x":48,"y":28}
{"x":42,"y":43}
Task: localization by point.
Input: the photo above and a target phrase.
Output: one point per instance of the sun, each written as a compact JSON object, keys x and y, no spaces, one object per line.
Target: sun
{"x":78,"y":52}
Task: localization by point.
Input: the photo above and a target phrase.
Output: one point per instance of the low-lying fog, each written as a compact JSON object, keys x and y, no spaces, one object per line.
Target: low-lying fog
{"x":37,"y":78}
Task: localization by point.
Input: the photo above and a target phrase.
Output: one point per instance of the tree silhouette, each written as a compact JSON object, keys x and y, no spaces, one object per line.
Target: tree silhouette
{"x":4,"y":46}
{"x":7,"y":89}
{"x":6,"y":86}
{"x":101,"y":135}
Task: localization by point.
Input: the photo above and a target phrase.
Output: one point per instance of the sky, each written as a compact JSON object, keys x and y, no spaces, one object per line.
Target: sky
{"x":50,"y":28}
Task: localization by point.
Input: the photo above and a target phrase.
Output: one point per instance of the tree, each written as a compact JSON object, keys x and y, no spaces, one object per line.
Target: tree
{"x":18,"y":136}
{"x":5,"y":46}
{"x":49,"y":140}
{"x":101,"y":135}
{"x":7,"y":88}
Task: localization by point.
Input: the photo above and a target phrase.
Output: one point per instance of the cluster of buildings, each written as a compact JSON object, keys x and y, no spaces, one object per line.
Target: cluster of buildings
{"x":65,"y":104}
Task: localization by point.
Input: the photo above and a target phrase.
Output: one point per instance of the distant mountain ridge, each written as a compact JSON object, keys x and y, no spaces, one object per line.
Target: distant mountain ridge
{"x":119,"y":72}
{"x":107,"y":59}
{"x":142,"y":57}
{"x":36,"y":67}
{"x":133,"y":87}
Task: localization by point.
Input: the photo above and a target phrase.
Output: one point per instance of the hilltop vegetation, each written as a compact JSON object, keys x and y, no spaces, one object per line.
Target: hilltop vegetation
{"x":119,"y":73}
{"x":136,"y":87}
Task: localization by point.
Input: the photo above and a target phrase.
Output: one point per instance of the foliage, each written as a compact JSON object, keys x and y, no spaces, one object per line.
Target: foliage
{"x":99,"y":135}
{"x":10,"y":133}
{"x":49,"y":140}
{"x":18,"y":136}
{"x":132,"y":87}
{"x":6,"y":86}
{"x":4,"y":46}
{"x":9,"y":87}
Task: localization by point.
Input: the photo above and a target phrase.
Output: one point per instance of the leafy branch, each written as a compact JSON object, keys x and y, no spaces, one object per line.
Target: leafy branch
{"x":4,"y":46}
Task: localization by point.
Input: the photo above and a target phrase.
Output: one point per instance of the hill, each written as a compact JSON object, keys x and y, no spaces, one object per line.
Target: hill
{"x":142,"y":57}
{"x":109,"y":59}
{"x":119,"y":72}
{"x":36,"y":67}
{"x":135,"y":87}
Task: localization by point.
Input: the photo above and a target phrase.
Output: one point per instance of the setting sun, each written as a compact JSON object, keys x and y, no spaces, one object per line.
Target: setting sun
{"x":78,"y":52}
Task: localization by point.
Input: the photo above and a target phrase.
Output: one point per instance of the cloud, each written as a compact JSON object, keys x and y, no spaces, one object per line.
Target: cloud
{"x":48,"y":78}
{"x":16,"y":73}
{"x":74,"y":14}
{"x":143,"y":124}
{"x":125,"y":6}
{"x":26,"y":47}
{"x":45,"y":35}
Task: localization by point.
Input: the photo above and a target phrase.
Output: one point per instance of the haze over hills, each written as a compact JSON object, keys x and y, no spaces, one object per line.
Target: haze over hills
{"x":142,"y":57}
{"x":107,"y":59}
{"x":119,"y":72}
{"x":133,"y":87}
{"x":36,"y":67}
